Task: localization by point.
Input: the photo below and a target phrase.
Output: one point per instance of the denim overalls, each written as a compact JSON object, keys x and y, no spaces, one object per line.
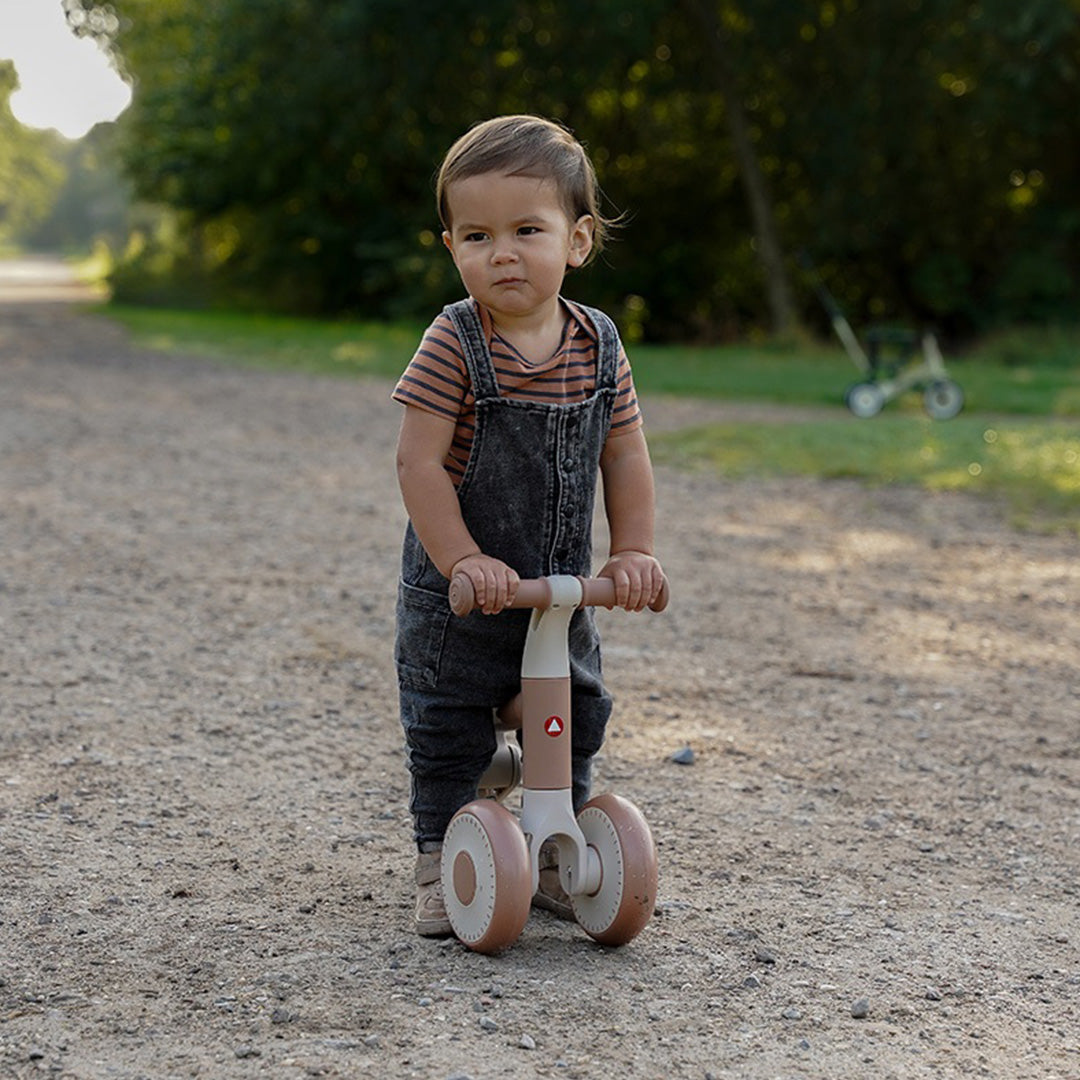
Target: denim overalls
{"x":527,"y":498}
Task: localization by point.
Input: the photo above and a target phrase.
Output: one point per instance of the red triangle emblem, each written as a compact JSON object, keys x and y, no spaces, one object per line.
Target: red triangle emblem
{"x":553,"y":725}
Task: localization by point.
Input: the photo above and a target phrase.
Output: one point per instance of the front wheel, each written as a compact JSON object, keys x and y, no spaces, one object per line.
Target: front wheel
{"x":623,"y":904}
{"x":865,"y":399}
{"x":943,"y":399}
{"x":486,"y":876}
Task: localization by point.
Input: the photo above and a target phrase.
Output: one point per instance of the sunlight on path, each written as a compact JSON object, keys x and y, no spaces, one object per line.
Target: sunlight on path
{"x":42,"y":279}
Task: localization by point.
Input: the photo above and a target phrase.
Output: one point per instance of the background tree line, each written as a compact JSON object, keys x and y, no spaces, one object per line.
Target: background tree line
{"x":925,"y":153}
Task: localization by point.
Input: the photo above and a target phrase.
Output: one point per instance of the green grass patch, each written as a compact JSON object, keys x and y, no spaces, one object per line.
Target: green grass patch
{"x":1036,"y":381}
{"x":276,"y":342}
{"x":1033,"y":373}
{"x":1033,"y":465}
{"x":1012,"y":441}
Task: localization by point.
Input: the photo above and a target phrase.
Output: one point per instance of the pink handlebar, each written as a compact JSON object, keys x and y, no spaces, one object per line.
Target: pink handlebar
{"x":536,"y":593}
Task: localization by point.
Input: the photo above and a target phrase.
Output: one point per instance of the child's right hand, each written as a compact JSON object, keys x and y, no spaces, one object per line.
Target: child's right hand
{"x":494,"y":583}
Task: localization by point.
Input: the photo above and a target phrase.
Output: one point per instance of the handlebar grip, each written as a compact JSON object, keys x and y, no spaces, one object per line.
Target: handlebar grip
{"x":536,"y":593}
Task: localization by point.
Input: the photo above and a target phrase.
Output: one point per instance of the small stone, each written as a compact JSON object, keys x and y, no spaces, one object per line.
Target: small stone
{"x":247,"y":1051}
{"x":487,"y":1024}
{"x":764,"y":956}
{"x":791,"y":1014}
{"x":424,"y":1002}
{"x":685,"y":756}
{"x":860,"y":1009}
{"x":933,"y":993}
{"x":527,"y":1042}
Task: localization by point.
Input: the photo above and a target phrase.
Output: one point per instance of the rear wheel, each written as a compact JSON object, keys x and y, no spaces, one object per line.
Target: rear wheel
{"x":623,"y":904}
{"x":486,"y":876}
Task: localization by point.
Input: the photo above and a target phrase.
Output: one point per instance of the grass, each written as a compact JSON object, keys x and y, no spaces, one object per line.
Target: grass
{"x":275,"y":342}
{"x":1033,"y":465}
{"x":1017,"y":439}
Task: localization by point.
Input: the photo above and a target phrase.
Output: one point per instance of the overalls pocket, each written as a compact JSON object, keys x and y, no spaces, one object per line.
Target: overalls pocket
{"x":422,"y":618}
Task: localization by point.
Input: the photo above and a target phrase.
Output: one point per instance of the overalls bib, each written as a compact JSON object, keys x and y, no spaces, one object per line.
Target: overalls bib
{"x":527,"y":498}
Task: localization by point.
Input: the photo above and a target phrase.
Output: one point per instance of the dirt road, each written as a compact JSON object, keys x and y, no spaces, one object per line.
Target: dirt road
{"x":870,"y":870}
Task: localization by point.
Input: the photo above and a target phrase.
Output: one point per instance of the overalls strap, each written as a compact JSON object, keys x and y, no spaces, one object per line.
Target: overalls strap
{"x":607,"y":353}
{"x":470,"y":333}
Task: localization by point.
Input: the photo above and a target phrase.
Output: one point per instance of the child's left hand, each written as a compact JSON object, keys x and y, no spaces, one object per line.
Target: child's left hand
{"x":638,"y":579}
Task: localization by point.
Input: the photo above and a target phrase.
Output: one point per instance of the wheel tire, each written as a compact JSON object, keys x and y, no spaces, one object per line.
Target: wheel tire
{"x":943,"y":399}
{"x":486,"y":876}
{"x":864,"y":400}
{"x":623,"y":904}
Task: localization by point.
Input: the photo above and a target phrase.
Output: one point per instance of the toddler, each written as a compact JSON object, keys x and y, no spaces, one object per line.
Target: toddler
{"x":514,"y":401}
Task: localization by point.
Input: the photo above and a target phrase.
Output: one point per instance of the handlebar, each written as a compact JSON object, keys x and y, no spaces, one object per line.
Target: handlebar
{"x":536,"y":593}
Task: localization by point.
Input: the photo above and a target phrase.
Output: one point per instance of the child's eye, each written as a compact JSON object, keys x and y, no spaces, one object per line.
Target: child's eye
{"x":474,"y":237}
{"x":528,"y":230}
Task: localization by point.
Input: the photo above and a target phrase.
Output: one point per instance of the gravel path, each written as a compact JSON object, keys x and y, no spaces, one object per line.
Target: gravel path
{"x":870,"y":869}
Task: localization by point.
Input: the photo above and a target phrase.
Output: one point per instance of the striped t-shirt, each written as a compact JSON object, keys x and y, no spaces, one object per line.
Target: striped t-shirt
{"x":437,"y":379}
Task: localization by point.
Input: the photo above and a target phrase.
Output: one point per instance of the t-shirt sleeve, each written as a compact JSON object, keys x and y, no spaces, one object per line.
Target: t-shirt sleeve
{"x":627,"y":413}
{"x":436,"y":379}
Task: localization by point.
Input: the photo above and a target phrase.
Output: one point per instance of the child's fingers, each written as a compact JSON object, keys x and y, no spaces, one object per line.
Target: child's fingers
{"x":495,"y":585}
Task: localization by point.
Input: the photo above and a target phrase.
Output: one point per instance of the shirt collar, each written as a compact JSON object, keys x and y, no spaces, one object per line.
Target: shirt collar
{"x":575,"y":313}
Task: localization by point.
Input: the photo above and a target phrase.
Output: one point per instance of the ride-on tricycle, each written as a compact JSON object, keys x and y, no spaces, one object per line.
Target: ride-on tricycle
{"x":490,"y":859}
{"x":889,"y":365}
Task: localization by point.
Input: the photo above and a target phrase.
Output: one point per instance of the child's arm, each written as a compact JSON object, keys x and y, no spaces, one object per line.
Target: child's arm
{"x":432,"y":505}
{"x":630,"y":505}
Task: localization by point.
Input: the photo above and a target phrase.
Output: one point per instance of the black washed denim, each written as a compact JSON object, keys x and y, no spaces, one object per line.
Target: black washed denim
{"x":527,"y":497}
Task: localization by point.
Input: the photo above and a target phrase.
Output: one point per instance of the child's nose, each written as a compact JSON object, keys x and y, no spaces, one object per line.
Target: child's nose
{"x":504,"y":252}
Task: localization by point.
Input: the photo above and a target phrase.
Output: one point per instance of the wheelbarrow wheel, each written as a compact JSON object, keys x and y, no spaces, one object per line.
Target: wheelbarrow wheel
{"x":864,"y":399}
{"x":943,"y":399}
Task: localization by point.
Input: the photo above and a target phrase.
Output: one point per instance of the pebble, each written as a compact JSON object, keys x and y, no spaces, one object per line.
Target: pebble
{"x":764,"y":956}
{"x":685,"y":756}
{"x":487,"y":1024}
{"x":933,"y":993}
{"x":791,"y":1014}
{"x":243,"y":1052}
{"x":527,"y":1042}
{"x":860,"y":1009}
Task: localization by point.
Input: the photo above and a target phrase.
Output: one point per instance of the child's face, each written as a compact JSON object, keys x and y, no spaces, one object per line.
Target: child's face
{"x":512,"y":241}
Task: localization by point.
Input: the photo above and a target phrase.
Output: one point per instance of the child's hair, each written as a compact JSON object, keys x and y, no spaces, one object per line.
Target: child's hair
{"x":527,"y":146}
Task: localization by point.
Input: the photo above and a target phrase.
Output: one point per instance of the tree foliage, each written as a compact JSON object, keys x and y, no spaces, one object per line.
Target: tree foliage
{"x":29,"y":174}
{"x":924,"y":152}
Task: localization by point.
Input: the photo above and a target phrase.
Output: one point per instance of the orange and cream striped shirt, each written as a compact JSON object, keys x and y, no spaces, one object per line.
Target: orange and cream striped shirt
{"x":437,"y":379}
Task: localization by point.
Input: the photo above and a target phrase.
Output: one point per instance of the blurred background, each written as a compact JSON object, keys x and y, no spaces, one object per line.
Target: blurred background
{"x":925,"y":154}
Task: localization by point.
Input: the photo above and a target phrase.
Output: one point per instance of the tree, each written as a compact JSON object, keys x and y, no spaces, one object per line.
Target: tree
{"x":778,"y":289}
{"x":29,"y":175}
{"x":924,"y":152}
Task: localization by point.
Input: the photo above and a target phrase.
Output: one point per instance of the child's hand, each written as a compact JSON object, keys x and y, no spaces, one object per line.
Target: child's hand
{"x":494,"y":583}
{"x":638,"y":579}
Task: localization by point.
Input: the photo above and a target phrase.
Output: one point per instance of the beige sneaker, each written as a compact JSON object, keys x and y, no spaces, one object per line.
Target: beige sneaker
{"x":551,"y":896}
{"x":431,"y":917}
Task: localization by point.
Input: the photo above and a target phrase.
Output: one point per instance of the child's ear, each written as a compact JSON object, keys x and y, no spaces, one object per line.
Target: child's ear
{"x":448,"y":241}
{"x":581,"y":241}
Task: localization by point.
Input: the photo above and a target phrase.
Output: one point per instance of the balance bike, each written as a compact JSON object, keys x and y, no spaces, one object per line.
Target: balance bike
{"x":490,"y":860}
